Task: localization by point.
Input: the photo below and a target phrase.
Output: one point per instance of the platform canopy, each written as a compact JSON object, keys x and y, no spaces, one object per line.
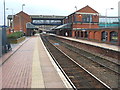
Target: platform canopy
{"x":64,"y":26}
{"x":30,"y":26}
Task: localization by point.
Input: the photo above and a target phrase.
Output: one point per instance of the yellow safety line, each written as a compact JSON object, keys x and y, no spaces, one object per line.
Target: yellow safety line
{"x":37,"y":77}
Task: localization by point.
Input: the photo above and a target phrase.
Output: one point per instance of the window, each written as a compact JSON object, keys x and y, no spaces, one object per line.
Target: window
{"x":113,"y":36}
{"x":104,"y":36}
{"x":86,"y":34}
{"x":86,"y":18}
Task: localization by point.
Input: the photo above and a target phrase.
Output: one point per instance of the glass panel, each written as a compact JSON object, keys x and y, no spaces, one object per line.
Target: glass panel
{"x":113,"y":36}
{"x":104,"y":36}
{"x":87,"y":18}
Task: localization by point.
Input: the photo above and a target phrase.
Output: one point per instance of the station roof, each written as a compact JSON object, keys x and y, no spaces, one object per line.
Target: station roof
{"x":64,"y":26}
{"x":87,"y":9}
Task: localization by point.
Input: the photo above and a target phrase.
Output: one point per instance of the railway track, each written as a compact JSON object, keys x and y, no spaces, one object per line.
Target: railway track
{"x":79,"y":76}
{"x":96,"y":59}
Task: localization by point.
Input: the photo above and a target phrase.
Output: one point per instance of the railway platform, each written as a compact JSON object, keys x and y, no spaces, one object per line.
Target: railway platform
{"x":106,"y":51}
{"x":29,"y":65}
{"x":102,"y":45}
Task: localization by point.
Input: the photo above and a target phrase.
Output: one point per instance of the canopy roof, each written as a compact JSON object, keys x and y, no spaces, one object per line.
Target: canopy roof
{"x":64,"y":26}
{"x":30,"y":26}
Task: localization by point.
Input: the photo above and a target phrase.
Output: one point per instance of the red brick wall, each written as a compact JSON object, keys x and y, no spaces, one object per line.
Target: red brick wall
{"x":73,"y":19}
{"x":94,"y":35}
{"x":91,"y":35}
{"x":79,"y":17}
{"x":111,"y":30}
{"x":73,"y":33}
{"x":95,"y":18}
{"x":16,"y":23}
{"x":97,"y":35}
{"x":85,"y":25}
{"x":20,"y":21}
{"x":87,"y":9}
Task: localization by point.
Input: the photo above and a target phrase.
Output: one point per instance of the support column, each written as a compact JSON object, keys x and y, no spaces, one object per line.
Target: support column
{"x":108,"y":37}
{"x":73,"y":33}
{"x":100,"y":33}
{"x":80,"y":34}
{"x":99,"y":36}
{"x":10,"y":23}
{"x":94,"y":35}
{"x":7,"y":22}
{"x":83,"y":34}
{"x":88,"y":35}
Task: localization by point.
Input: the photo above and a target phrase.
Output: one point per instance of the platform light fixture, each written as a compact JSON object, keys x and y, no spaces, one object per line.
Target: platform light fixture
{"x":4,"y":36}
{"x":4,"y":14}
{"x":106,"y":16}
{"x":12,"y":18}
{"x":76,"y":8}
{"x":23,"y":6}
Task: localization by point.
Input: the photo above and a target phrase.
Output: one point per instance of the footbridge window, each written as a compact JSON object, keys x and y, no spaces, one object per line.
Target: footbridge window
{"x":113,"y":36}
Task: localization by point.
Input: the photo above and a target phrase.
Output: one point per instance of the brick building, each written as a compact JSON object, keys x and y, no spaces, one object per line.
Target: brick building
{"x":19,"y":22}
{"x":82,"y":19}
{"x":22,"y":20}
{"x":84,"y":24}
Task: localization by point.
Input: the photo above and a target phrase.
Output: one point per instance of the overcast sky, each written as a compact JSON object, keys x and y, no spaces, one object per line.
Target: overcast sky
{"x":57,"y":7}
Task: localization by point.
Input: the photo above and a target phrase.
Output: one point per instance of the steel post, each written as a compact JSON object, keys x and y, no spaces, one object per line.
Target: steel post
{"x":0,"y":42}
{"x":4,"y":40}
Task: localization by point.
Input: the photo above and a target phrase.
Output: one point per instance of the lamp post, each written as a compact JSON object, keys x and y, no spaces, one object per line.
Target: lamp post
{"x":12,"y":18}
{"x":4,"y":38}
{"x":4,"y":14}
{"x":76,"y":22}
{"x":76,"y":8}
{"x":106,"y":16}
{"x":23,"y":6}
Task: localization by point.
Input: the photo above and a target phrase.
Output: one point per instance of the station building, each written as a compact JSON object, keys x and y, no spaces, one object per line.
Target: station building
{"x":28,"y":23}
{"x":85,"y":18}
{"x":84,"y":24}
{"x":18,"y":23}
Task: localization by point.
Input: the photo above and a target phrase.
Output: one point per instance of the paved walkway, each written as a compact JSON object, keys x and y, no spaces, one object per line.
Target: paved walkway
{"x":14,"y":49}
{"x":31,"y":67}
{"x":18,"y":44}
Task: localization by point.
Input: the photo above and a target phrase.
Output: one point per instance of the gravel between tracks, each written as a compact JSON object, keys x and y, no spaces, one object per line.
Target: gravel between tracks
{"x":106,"y":76}
{"x":79,"y":77}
